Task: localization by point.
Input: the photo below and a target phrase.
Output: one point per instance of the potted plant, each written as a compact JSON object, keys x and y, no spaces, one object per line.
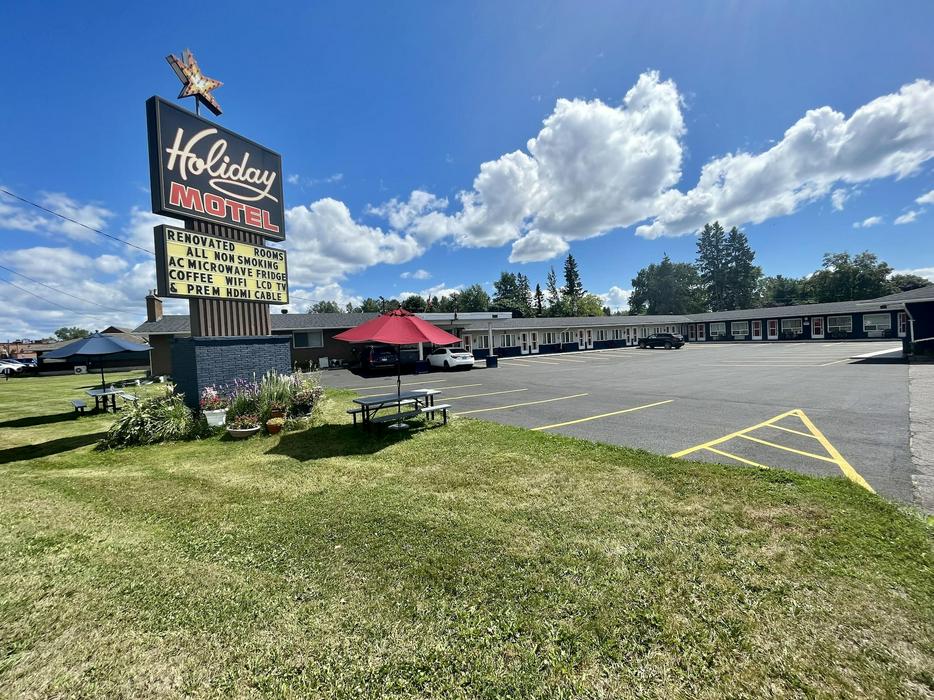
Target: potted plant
{"x":214,"y":406}
{"x":243,"y":426}
{"x":276,"y":409}
{"x":274,"y":425}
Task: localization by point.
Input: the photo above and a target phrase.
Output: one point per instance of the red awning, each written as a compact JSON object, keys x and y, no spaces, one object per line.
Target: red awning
{"x":398,"y":327}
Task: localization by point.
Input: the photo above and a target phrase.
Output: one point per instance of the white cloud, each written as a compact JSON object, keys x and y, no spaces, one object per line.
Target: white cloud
{"x":616,"y":298}
{"x":111,"y":264}
{"x":323,"y":292}
{"x":869,"y":222}
{"x":295,"y":179}
{"x":139,"y":229}
{"x":416,"y":275}
{"x":891,"y":136}
{"x":838,"y":197}
{"x":325,"y":244}
{"x":927,"y":198}
{"x":18,"y":216}
{"x":908,"y":217}
{"x":926,"y":272}
{"x":537,"y":246}
{"x":439,"y":290}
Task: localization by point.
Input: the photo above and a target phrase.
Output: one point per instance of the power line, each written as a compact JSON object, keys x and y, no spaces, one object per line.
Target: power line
{"x":78,"y":223}
{"x":89,"y":228}
{"x":60,"y":291}
{"x":48,"y":301}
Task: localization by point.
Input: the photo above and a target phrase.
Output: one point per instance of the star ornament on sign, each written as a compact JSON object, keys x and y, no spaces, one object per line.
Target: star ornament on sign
{"x":194,"y":82}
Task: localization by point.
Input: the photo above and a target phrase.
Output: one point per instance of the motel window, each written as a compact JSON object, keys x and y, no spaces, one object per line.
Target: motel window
{"x":839,"y":324}
{"x":877,"y":322}
{"x":617,"y":334}
{"x":902,"y":323}
{"x":308,"y":339}
{"x":792,"y":325}
{"x":601,"y":334}
{"x":567,"y":337}
{"x":718,"y":329}
{"x":738,"y":328}
{"x":509,"y":340}
{"x":481,"y":341}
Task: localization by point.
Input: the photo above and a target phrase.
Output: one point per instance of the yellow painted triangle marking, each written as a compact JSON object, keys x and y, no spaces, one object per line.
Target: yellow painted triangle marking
{"x":834,"y":455}
{"x":845,"y":466}
{"x":792,"y":430}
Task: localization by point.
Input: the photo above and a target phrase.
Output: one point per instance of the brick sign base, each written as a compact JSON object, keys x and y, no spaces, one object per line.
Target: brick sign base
{"x":203,"y":361}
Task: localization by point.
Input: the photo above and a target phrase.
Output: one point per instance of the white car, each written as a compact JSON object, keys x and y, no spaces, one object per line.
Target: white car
{"x":11,"y":367}
{"x":449,"y":358}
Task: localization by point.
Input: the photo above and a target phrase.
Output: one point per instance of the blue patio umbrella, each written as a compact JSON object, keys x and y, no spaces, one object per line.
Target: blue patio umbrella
{"x":96,"y":347}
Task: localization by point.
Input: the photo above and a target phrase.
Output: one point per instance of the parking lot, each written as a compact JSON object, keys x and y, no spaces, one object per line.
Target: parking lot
{"x":808,"y":407}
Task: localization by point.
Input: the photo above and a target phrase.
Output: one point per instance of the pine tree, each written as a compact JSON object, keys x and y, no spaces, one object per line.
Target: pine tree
{"x":539,"y":300}
{"x":523,"y":295}
{"x":554,"y":294}
{"x":712,"y":265}
{"x":573,"y":291}
{"x":742,"y":275}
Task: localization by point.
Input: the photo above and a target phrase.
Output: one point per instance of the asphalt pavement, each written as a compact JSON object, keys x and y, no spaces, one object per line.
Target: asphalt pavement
{"x":809,"y":407}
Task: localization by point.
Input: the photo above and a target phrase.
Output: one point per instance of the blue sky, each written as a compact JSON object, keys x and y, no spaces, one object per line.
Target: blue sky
{"x":431,"y":145}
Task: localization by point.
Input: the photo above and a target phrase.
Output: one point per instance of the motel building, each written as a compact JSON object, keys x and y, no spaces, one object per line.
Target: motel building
{"x":908,"y":316}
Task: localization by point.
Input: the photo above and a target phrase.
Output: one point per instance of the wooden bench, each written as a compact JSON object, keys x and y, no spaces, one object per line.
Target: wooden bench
{"x":79,"y":405}
{"x":430,"y":411}
{"x":129,"y":397}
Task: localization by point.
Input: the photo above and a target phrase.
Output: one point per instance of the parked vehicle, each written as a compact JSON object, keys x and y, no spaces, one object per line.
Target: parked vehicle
{"x":450,"y":358}
{"x":377,"y":357}
{"x":10,"y":366}
{"x":662,"y":340}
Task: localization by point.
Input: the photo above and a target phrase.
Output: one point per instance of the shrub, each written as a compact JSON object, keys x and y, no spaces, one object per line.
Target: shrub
{"x":243,"y":400}
{"x":153,"y":420}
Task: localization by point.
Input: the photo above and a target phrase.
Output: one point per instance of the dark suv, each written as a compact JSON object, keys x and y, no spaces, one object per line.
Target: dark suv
{"x":664,"y":340}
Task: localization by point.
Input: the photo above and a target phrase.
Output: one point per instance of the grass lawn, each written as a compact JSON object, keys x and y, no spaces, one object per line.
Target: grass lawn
{"x":476,"y":560}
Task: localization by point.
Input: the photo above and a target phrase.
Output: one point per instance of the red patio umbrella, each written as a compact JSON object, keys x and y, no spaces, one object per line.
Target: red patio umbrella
{"x":399,"y":327}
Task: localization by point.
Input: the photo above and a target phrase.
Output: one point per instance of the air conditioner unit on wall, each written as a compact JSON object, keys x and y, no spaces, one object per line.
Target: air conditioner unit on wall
{"x":81,"y":369}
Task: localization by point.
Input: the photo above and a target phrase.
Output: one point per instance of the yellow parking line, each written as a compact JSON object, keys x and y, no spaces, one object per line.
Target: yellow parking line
{"x":390,"y":386}
{"x":836,"y":362}
{"x":737,"y":458}
{"x":787,"y":449}
{"x":474,"y":396}
{"x":602,"y":415}
{"x":845,"y":466}
{"x":564,"y":359}
{"x":792,"y":430}
{"x":518,"y":405}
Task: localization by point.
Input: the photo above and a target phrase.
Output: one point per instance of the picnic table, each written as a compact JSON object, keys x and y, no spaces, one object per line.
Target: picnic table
{"x":107,"y":397}
{"x":413,"y":402}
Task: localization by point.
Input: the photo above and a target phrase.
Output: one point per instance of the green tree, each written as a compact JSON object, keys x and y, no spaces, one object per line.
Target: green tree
{"x":71,"y":333}
{"x":713,"y":265}
{"x":847,"y":278}
{"x":473,"y":298}
{"x":415,"y":303}
{"x":370,"y":305}
{"x":524,"y":295}
{"x":539,"y":306}
{"x":783,"y":291}
{"x":554,"y":294}
{"x":742,"y":275}
{"x":509,"y":295}
{"x":324,"y":307}
{"x":667,"y":288}
{"x":905,"y":283}
{"x":573,"y":290}
{"x":590,"y":305}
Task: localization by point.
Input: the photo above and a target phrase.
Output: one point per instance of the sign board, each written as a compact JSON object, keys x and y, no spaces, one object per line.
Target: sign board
{"x":192,"y":265}
{"x":199,"y":170}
